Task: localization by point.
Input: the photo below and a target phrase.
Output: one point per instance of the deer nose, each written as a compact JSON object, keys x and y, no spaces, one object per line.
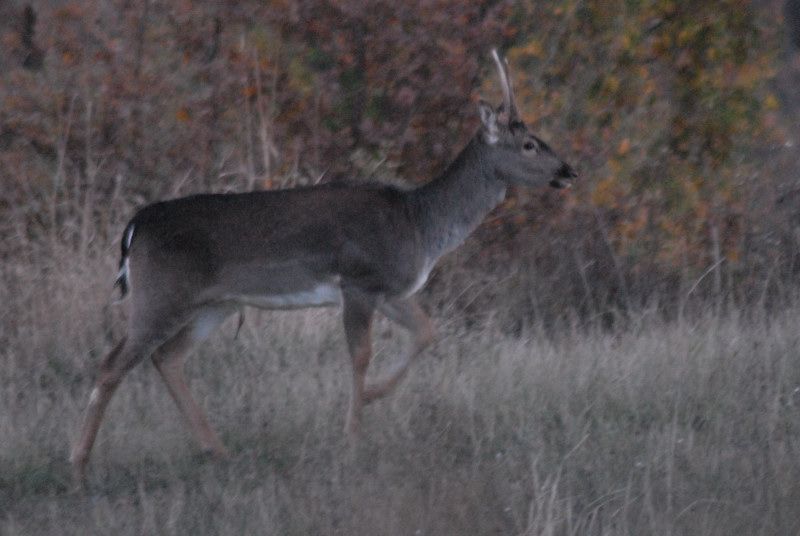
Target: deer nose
{"x":564,"y":177}
{"x":566,"y":172}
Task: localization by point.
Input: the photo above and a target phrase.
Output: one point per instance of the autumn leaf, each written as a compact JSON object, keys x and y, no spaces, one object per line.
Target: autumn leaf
{"x":182,"y":115}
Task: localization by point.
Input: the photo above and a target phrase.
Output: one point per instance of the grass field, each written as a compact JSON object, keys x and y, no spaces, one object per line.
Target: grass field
{"x":686,"y":427}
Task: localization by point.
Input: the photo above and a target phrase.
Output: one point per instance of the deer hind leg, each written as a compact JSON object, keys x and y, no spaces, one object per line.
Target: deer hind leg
{"x":168,"y":359}
{"x":410,"y":315}
{"x":358,"y":313}
{"x":149,"y":330}
{"x":125,"y":355}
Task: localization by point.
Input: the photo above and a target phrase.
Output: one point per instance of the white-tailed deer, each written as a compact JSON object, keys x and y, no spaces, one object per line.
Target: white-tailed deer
{"x":190,"y":263}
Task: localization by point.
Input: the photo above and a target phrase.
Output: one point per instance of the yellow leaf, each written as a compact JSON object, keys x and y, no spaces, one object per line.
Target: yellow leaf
{"x":748,"y":75}
{"x":533,"y":48}
{"x":250,"y":91}
{"x":612,"y":83}
{"x":771,"y":102}
{"x":604,"y":193}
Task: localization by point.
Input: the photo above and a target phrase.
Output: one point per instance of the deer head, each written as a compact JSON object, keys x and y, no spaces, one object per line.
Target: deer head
{"x":519,"y":156}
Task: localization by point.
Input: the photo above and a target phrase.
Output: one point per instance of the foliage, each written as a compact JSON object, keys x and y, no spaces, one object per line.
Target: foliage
{"x":394,"y":80}
{"x":685,"y":427}
{"x":664,"y":107}
{"x":668,"y":104}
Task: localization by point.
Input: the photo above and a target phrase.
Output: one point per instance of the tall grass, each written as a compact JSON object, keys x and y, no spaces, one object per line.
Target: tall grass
{"x":684,"y":427}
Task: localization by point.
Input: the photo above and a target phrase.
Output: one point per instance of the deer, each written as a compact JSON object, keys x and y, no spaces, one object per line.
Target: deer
{"x":190,"y":263}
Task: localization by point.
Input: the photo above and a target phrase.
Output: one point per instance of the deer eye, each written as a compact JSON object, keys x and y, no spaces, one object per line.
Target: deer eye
{"x":529,"y":146}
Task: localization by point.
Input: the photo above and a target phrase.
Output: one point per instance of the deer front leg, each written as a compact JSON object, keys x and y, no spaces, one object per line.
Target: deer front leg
{"x":410,"y":315}
{"x":358,"y":313}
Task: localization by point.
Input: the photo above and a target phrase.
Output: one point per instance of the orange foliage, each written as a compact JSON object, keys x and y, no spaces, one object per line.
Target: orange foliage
{"x":657,"y":103}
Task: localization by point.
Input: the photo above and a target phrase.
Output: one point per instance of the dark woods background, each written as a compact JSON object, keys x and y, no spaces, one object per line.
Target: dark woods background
{"x":682,"y":117}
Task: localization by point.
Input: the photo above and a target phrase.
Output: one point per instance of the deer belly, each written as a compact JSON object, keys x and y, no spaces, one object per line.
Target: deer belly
{"x":421,"y":279}
{"x":277,"y":285}
{"x":320,"y":295}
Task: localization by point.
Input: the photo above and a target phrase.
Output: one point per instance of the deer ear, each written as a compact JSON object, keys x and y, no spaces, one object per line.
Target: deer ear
{"x":489,"y":119}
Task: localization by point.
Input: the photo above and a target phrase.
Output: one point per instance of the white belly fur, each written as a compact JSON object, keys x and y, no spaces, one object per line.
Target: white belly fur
{"x":422,"y":278}
{"x":319,"y":296}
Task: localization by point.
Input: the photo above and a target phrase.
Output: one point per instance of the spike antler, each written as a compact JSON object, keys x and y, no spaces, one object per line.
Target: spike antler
{"x":509,"y":106}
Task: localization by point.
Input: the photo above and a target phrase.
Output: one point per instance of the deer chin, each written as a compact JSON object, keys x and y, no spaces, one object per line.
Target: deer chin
{"x":561,"y":184}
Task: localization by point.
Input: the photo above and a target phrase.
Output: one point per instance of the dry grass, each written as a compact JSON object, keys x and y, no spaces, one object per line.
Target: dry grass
{"x":688,"y":427}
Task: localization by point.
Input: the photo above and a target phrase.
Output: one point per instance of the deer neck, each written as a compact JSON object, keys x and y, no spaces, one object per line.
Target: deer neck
{"x":454,"y":204}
